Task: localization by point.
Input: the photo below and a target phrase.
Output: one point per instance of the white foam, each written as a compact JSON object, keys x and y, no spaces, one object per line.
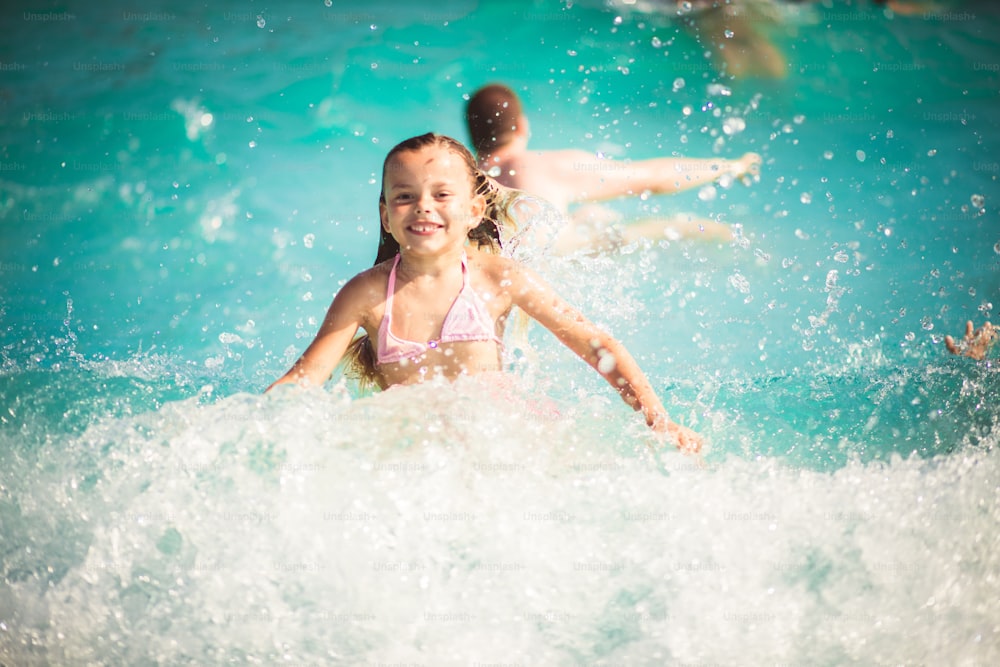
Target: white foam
{"x":459,"y":523}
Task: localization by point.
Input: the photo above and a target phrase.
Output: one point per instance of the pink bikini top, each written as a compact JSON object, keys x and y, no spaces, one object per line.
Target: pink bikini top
{"x":467,"y":320}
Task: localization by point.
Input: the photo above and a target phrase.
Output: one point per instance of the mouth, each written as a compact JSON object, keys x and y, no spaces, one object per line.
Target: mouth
{"x":424,"y":227}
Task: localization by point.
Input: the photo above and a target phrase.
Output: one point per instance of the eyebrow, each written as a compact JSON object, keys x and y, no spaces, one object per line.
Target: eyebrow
{"x":435,"y":184}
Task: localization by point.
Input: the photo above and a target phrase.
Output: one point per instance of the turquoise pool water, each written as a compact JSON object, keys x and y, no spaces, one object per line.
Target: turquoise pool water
{"x":182,"y":191}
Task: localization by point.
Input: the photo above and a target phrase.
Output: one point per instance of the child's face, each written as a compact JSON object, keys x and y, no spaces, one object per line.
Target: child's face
{"x":429,"y":202}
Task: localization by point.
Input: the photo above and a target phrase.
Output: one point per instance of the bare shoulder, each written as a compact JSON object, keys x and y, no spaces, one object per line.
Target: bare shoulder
{"x":503,"y":273}
{"x":365,"y":292}
{"x":493,"y":266}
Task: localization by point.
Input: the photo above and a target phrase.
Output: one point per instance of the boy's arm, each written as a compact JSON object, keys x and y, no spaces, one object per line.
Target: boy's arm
{"x":341,"y":323}
{"x":598,"y":348}
{"x":596,"y":179}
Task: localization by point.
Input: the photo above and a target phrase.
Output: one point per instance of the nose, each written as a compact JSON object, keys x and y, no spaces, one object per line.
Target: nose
{"x":424,"y":203}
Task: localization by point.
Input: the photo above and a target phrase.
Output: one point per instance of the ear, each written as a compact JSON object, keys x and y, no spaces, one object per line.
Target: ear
{"x":523,"y":129}
{"x":383,"y":214}
{"x":478,"y":209}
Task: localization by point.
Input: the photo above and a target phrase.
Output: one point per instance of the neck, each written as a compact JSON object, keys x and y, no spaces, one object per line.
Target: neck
{"x":429,"y":265}
{"x":513,"y":147}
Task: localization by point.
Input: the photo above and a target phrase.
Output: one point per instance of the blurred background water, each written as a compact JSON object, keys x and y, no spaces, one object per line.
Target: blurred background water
{"x":183,"y":189}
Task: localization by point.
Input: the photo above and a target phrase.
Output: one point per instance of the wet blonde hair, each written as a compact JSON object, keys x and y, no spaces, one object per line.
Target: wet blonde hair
{"x":498,"y":223}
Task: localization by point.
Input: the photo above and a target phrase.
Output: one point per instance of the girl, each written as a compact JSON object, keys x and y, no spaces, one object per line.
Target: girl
{"x":437,"y":299}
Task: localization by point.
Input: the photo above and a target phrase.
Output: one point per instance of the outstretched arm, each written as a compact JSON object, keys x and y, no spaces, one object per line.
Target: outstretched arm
{"x":599,"y":349}
{"x":598,"y":179}
{"x":335,"y":334}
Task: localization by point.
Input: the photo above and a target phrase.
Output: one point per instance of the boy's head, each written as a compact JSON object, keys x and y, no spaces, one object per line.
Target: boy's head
{"x":494,"y":117}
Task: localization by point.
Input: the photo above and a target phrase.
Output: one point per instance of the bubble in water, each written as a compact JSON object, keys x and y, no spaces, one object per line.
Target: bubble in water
{"x":733,"y":126}
{"x":978,"y":200}
{"x":926,"y":324}
{"x":996,"y":247}
{"x":260,"y":21}
{"x":308,"y":240}
{"x":739,"y":283}
{"x":729,"y":34}
{"x":707,"y":193}
{"x":806,"y":198}
{"x":860,"y":154}
{"x":719,"y":89}
{"x":827,"y":155}
{"x":678,"y":83}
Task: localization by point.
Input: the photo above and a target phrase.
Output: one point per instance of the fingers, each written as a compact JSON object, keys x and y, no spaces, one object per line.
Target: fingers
{"x":968,"y":330}
{"x":949,"y":343}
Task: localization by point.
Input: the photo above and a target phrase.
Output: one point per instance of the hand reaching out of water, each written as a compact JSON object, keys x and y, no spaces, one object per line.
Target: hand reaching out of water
{"x":684,"y":438}
{"x":976,"y":343}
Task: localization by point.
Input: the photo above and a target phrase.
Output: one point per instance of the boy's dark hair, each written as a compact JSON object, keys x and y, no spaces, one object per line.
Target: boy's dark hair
{"x":492,"y":114}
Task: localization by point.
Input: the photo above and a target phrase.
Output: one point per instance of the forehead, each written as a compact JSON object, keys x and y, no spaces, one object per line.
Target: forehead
{"x":428,"y":163}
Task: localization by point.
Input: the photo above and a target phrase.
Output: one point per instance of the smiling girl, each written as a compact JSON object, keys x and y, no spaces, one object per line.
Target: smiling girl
{"x":437,"y":299}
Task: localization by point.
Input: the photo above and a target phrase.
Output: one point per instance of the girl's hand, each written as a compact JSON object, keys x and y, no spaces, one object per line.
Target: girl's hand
{"x":684,"y":438}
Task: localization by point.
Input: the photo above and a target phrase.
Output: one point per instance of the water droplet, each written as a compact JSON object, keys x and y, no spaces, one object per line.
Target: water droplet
{"x":732,"y":126}
{"x":260,"y":21}
{"x":739,"y":283}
